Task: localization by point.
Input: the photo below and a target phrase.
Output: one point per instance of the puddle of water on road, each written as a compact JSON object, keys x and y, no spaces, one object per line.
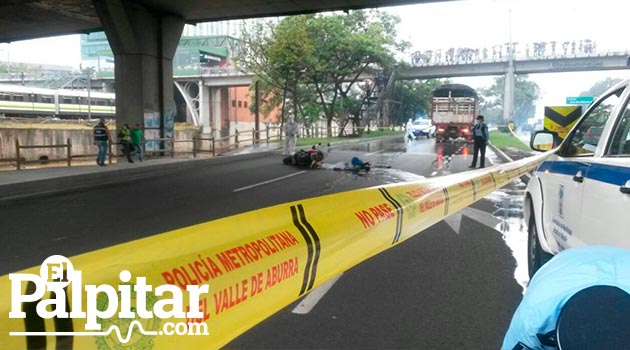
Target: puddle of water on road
{"x":509,"y":204}
{"x":381,"y":172}
{"x":395,"y":176}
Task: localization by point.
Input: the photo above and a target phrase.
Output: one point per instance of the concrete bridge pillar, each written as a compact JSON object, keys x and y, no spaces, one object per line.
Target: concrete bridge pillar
{"x":508,"y":94}
{"x":204,"y":108}
{"x":218,"y":111}
{"x":144,"y":43}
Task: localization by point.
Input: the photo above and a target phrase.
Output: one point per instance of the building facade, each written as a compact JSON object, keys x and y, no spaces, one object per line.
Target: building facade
{"x":203,"y":47}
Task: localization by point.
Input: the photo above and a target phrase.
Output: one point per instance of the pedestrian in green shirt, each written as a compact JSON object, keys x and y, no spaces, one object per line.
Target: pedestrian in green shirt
{"x":137,"y":139}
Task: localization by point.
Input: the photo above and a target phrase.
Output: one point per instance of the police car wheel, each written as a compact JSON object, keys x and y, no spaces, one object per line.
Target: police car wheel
{"x":536,"y":257}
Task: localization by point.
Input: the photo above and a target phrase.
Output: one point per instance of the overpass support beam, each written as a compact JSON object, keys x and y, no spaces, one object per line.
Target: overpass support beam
{"x":204,"y":107}
{"x":144,"y":43}
{"x":218,"y":110}
{"x":508,"y":94}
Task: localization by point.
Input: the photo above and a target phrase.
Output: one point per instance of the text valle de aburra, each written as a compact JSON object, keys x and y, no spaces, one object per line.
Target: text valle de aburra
{"x":205,"y":268}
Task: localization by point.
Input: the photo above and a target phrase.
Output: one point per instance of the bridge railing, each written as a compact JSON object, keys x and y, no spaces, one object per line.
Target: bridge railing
{"x":480,"y":58}
{"x":222,"y":71}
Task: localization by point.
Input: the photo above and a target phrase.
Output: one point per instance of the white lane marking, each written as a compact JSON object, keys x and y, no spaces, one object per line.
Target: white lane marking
{"x":309,"y":302}
{"x":455,"y":220}
{"x":269,"y":181}
{"x":373,"y":153}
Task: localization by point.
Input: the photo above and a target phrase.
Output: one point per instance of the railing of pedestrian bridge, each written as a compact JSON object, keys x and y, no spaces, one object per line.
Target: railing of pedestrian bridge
{"x":474,"y":56}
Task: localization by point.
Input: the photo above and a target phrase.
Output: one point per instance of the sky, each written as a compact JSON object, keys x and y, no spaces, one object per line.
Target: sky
{"x":484,"y":23}
{"x":465,"y":23}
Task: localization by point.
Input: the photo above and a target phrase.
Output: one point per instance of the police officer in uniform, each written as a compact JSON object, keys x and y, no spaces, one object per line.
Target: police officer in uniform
{"x":124,"y":138}
{"x":101,"y":140}
{"x":481,"y":136}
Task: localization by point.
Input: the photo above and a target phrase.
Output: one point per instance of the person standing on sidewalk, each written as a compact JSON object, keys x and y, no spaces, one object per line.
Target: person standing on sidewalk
{"x":124,"y":139}
{"x":136,"y":140}
{"x":481,"y":137}
{"x":101,"y":140}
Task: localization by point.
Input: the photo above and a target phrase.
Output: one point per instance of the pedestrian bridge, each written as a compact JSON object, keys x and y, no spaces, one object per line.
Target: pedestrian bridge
{"x":613,"y":60}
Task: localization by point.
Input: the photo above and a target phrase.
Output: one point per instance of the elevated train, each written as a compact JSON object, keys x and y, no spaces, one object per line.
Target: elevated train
{"x":24,"y":101}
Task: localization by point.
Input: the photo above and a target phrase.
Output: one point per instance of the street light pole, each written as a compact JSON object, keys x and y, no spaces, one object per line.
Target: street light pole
{"x":88,"y":71}
{"x":508,"y":93}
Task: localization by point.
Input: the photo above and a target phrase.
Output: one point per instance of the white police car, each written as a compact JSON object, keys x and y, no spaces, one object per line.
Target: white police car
{"x":581,"y":195}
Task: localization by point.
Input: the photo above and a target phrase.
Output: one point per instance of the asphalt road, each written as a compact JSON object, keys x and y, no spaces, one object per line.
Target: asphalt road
{"x":441,"y":289}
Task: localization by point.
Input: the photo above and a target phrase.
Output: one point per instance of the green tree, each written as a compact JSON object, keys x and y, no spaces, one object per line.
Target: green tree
{"x":414,"y":97}
{"x":526,"y":92}
{"x":600,"y":87}
{"x":319,"y":57}
{"x":347,"y":46}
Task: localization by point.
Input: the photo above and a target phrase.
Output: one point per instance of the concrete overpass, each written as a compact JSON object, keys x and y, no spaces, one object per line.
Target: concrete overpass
{"x":144,"y":34}
{"x":30,"y":19}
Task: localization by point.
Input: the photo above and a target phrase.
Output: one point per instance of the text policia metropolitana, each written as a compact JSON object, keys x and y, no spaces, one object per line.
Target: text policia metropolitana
{"x":205,"y":268}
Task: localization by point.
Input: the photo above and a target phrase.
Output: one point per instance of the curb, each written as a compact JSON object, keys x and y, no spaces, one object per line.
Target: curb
{"x":525,"y":177}
{"x":504,"y":157}
{"x":360,"y":140}
{"x":332,"y":144}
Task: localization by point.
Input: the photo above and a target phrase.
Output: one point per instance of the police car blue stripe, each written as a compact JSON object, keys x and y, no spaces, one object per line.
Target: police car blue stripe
{"x":562,"y":167}
{"x":611,"y":174}
{"x":615,"y":175}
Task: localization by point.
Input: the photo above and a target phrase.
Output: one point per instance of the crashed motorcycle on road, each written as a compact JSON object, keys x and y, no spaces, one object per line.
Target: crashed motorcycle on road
{"x":311,"y":158}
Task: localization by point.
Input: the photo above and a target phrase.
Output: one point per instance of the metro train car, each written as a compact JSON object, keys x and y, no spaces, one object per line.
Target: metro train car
{"x":24,"y":101}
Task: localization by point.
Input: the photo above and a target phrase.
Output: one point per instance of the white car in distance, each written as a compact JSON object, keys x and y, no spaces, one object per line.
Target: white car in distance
{"x":581,"y":195}
{"x":423,"y":127}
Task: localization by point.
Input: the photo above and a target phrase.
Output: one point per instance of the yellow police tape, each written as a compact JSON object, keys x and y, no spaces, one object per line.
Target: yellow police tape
{"x":254,"y":264}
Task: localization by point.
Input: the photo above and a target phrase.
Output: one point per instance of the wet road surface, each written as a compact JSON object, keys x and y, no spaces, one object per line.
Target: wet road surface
{"x":450,"y":287}
{"x":453,"y":286}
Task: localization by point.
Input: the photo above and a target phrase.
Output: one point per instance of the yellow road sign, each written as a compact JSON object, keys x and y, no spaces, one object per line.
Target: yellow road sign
{"x":561,"y":119}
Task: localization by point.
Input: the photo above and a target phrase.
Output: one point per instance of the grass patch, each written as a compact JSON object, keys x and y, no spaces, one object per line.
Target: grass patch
{"x":307,"y":141}
{"x":504,"y":141}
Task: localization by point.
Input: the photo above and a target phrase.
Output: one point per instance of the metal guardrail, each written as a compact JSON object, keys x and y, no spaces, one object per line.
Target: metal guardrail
{"x":68,"y":145}
{"x":217,"y":146}
{"x":69,"y":155}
